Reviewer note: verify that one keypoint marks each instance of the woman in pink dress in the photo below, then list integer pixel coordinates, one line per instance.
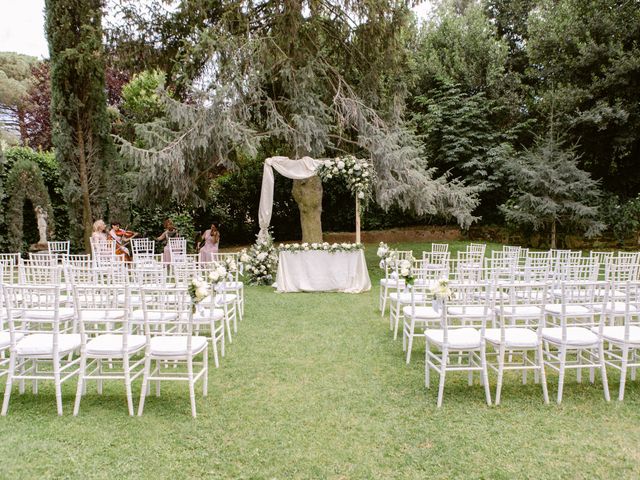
(211, 240)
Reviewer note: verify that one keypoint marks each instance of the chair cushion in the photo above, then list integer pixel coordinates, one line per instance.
(616, 334)
(42, 344)
(406, 297)
(421, 312)
(204, 315)
(154, 316)
(458, 338)
(513, 337)
(576, 336)
(64, 313)
(5, 339)
(111, 344)
(97, 315)
(556, 309)
(521, 310)
(468, 311)
(227, 286)
(392, 282)
(615, 307)
(173, 346)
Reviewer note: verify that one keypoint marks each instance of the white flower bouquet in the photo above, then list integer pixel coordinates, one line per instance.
(357, 173)
(260, 262)
(198, 291)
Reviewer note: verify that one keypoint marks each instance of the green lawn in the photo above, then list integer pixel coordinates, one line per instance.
(313, 386)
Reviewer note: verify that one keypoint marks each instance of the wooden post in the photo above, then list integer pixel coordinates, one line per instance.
(357, 219)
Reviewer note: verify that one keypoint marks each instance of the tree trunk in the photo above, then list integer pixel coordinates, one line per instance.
(87, 220)
(308, 195)
(553, 233)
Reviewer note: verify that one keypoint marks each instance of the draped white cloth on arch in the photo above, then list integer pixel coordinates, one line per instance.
(300, 169)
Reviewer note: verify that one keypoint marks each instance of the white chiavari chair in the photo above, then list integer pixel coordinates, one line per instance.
(216, 317)
(233, 285)
(519, 311)
(623, 340)
(41, 338)
(9, 262)
(439, 248)
(478, 249)
(391, 280)
(177, 249)
(171, 345)
(459, 339)
(567, 332)
(59, 248)
(417, 315)
(106, 337)
(468, 267)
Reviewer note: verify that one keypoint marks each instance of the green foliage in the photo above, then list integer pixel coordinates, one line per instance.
(585, 57)
(549, 189)
(148, 222)
(50, 172)
(81, 128)
(15, 81)
(140, 100)
(24, 182)
(623, 218)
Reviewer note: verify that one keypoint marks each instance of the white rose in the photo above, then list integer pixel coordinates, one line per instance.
(334, 170)
(365, 174)
(325, 246)
(360, 195)
(295, 245)
(328, 163)
(356, 167)
(404, 272)
(329, 176)
(314, 245)
(341, 165)
(202, 292)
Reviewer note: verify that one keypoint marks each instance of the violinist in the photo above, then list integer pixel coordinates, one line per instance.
(122, 237)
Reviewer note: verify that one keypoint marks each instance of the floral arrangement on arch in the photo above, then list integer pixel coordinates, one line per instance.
(357, 173)
(260, 261)
(325, 247)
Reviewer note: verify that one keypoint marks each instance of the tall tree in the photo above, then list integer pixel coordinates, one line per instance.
(549, 190)
(296, 73)
(586, 58)
(15, 81)
(78, 104)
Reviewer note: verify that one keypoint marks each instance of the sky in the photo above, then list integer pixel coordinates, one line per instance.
(22, 26)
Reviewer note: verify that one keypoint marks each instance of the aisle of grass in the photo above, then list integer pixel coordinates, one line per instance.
(313, 386)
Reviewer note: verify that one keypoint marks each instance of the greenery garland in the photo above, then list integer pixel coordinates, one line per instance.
(25, 181)
(323, 247)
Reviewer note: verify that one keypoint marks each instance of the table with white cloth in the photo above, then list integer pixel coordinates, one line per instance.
(320, 271)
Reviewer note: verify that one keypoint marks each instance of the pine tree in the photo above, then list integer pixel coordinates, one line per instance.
(300, 78)
(81, 128)
(550, 190)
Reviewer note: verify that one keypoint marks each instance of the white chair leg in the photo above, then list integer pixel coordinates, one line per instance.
(563, 356)
(205, 376)
(485, 374)
(81, 383)
(501, 351)
(603, 369)
(145, 382)
(427, 376)
(8, 385)
(214, 344)
(127, 384)
(543, 375)
(192, 393)
(410, 343)
(443, 371)
(623, 371)
(58, 386)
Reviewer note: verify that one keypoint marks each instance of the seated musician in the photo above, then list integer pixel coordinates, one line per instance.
(122, 238)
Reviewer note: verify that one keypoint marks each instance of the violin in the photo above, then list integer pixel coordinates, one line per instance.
(125, 237)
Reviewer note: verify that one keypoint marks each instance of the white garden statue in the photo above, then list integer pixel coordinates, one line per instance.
(42, 217)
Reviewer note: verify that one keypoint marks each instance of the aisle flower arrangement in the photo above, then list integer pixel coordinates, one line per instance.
(384, 254)
(356, 172)
(198, 291)
(405, 270)
(260, 262)
(325, 247)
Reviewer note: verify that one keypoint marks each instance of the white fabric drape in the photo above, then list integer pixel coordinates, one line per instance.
(318, 271)
(295, 169)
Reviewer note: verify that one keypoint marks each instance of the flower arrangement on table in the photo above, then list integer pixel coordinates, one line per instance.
(323, 247)
(198, 291)
(260, 261)
(357, 173)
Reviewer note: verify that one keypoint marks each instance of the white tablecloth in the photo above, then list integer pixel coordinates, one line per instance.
(317, 271)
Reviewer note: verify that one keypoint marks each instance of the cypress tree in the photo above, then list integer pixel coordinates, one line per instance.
(80, 124)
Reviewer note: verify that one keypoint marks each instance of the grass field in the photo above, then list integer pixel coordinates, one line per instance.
(313, 386)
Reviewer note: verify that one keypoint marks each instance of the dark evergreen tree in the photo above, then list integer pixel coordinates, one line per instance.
(81, 127)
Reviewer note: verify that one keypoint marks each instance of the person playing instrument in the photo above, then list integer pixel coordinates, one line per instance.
(99, 231)
(170, 231)
(211, 240)
(122, 237)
